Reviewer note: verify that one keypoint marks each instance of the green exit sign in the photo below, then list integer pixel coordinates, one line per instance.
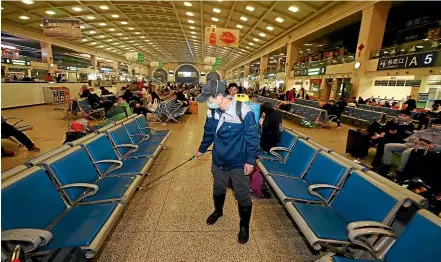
(140, 57)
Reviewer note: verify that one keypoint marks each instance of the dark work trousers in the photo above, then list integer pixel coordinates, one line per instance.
(8, 130)
(241, 184)
(380, 150)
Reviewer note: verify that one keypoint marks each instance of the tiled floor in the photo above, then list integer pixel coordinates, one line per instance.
(166, 220)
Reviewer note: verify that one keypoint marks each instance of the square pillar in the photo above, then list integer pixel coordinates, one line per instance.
(292, 56)
(370, 38)
(47, 57)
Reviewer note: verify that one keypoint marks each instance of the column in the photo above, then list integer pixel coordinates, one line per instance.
(263, 66)
(246, 72)
(370, 38)
(94, 63)
(115, 66)
(292, 55)
(47, 57)
(334, 89)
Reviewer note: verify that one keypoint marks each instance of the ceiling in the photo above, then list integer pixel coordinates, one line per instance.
(168, 31)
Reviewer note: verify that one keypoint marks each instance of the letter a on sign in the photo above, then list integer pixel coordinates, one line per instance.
(413, 61)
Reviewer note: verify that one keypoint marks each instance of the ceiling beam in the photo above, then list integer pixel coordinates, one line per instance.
(146, 34)
(254, 27)
(182, 28)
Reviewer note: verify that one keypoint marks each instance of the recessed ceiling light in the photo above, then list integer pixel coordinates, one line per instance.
(213, 25)
(114, 51)
(131, 28)
(147, 40)
(84, 40)
(270, 28)
(142, 36)
(150, 43)
(111, 29)
(193, 36)
(41, 24)
(279, 19)
(215, 19)
(239, 26)
(137, 33)
(109, 40)
(24, 17)
(90, 17)
(122, 46)
(248, 46)
(50, 12)
(262, 34)
(101, 36)
(119, 34)
(104, 7)
(251, 44)
(293, 8)
(101, 46)
(115, 16)
(102, 24)
(131, 41)
(216, 10)
(93, 43)
(243, 18)
(255, 39)
(78, 9)
(125, 38)
(250, 8)
(191, 21)
(92, 32)
(123, 22)
(28, 2)
(82, 27)
(192, 27)
(193, 33)
(187, 4)
(108, 48)
(189, 14)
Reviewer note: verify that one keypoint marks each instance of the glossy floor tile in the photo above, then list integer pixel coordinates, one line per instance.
(165, 221)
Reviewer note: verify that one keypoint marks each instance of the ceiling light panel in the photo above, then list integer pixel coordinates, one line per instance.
(115, 16)
(216, 10)
(279, 19)
(250, 8)
(293, 8)
(187, 4)
(243, 18)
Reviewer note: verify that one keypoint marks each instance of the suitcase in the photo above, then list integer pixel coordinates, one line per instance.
(357, 143)
(193, 107)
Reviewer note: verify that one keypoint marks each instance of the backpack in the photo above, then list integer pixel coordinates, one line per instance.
(238, 111)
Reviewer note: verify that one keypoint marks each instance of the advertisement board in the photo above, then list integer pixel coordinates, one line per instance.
(62, 28)
(215, 36)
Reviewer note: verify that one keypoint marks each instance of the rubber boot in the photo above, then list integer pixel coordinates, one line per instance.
(245, 216)
(218, 209)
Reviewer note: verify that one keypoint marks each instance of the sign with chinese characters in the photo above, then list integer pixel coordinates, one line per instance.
(418, 21)
(215, 61)
(401, 82)
(392, 82)
(377, 83)
(157, 64)
(317, 71)
(426, 59)
(140, 57)
(63, 28)
(384, 82)
(215, 36)
(301, 72)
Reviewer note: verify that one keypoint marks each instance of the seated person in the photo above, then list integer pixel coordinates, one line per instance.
(333, 110)
(431, 134)
(126, 94)
(140, 110)
(424, 118)
(8, 131)
(395, 131)
(181, 99)
(271, 123)
(120, 108)
(104, 91)
(361, 100)
(85, 92)
(410, 104)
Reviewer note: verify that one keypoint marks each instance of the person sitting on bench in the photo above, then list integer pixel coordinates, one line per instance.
(395, 131)
(8, 131)
(432, 135)
(333, 110)
(271, 123)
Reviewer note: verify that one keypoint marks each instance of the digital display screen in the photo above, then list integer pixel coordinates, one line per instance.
(187, 74)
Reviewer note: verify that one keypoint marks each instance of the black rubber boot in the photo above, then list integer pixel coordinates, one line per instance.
(218, 209)
(245, 216)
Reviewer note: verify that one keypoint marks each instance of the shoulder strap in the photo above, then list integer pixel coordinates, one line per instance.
(212, 113)
(239, 110)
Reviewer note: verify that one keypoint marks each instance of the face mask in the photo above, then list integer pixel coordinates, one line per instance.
(212, 105)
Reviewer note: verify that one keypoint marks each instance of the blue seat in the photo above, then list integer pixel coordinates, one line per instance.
(295, 166)
(43, 157)
(74, 166)
(326, 171)
(146, 129)
(107, 162)
(359, 199)
(283, 148)
(418, 242)
(30, 201)
(123, 144)
(137, 137)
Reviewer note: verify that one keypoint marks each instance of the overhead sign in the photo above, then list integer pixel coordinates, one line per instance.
(317, 71)
(140, 57)
(62, 28)
(216, 36)
(426, 59)
(216, 61)
(157, 64)
(207, 68)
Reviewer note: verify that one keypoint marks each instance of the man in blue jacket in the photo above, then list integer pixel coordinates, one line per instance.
(232, 127)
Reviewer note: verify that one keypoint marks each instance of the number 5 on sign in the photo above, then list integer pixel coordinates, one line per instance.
(428, 60)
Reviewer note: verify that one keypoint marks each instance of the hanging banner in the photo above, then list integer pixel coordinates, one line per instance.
(216, 36)
(157, 64)
(140, 57)
(62, 28)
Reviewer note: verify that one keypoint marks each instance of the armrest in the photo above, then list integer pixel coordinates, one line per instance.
(118, 163)
(127, 145)
(361, 224)
(86, 185)
(312, 189)
(273, 151)
(357, 237)
(14, 117)
(34, 237)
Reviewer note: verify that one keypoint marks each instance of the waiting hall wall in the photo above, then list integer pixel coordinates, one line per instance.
(367, 88)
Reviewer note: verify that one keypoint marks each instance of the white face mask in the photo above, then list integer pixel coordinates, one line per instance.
(212, 105)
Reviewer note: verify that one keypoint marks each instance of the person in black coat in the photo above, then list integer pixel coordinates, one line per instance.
(395, 131)
(271, 123)
(333, 109)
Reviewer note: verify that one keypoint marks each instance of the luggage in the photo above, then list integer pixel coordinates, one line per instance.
(193, 107)
(258, 187)
(357, 143)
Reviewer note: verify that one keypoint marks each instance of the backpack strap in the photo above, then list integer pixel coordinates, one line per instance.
(213, 112)
(239, 110)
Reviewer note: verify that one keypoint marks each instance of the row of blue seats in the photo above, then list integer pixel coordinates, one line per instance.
(308, 115)
(73, 198)
(332, 198)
